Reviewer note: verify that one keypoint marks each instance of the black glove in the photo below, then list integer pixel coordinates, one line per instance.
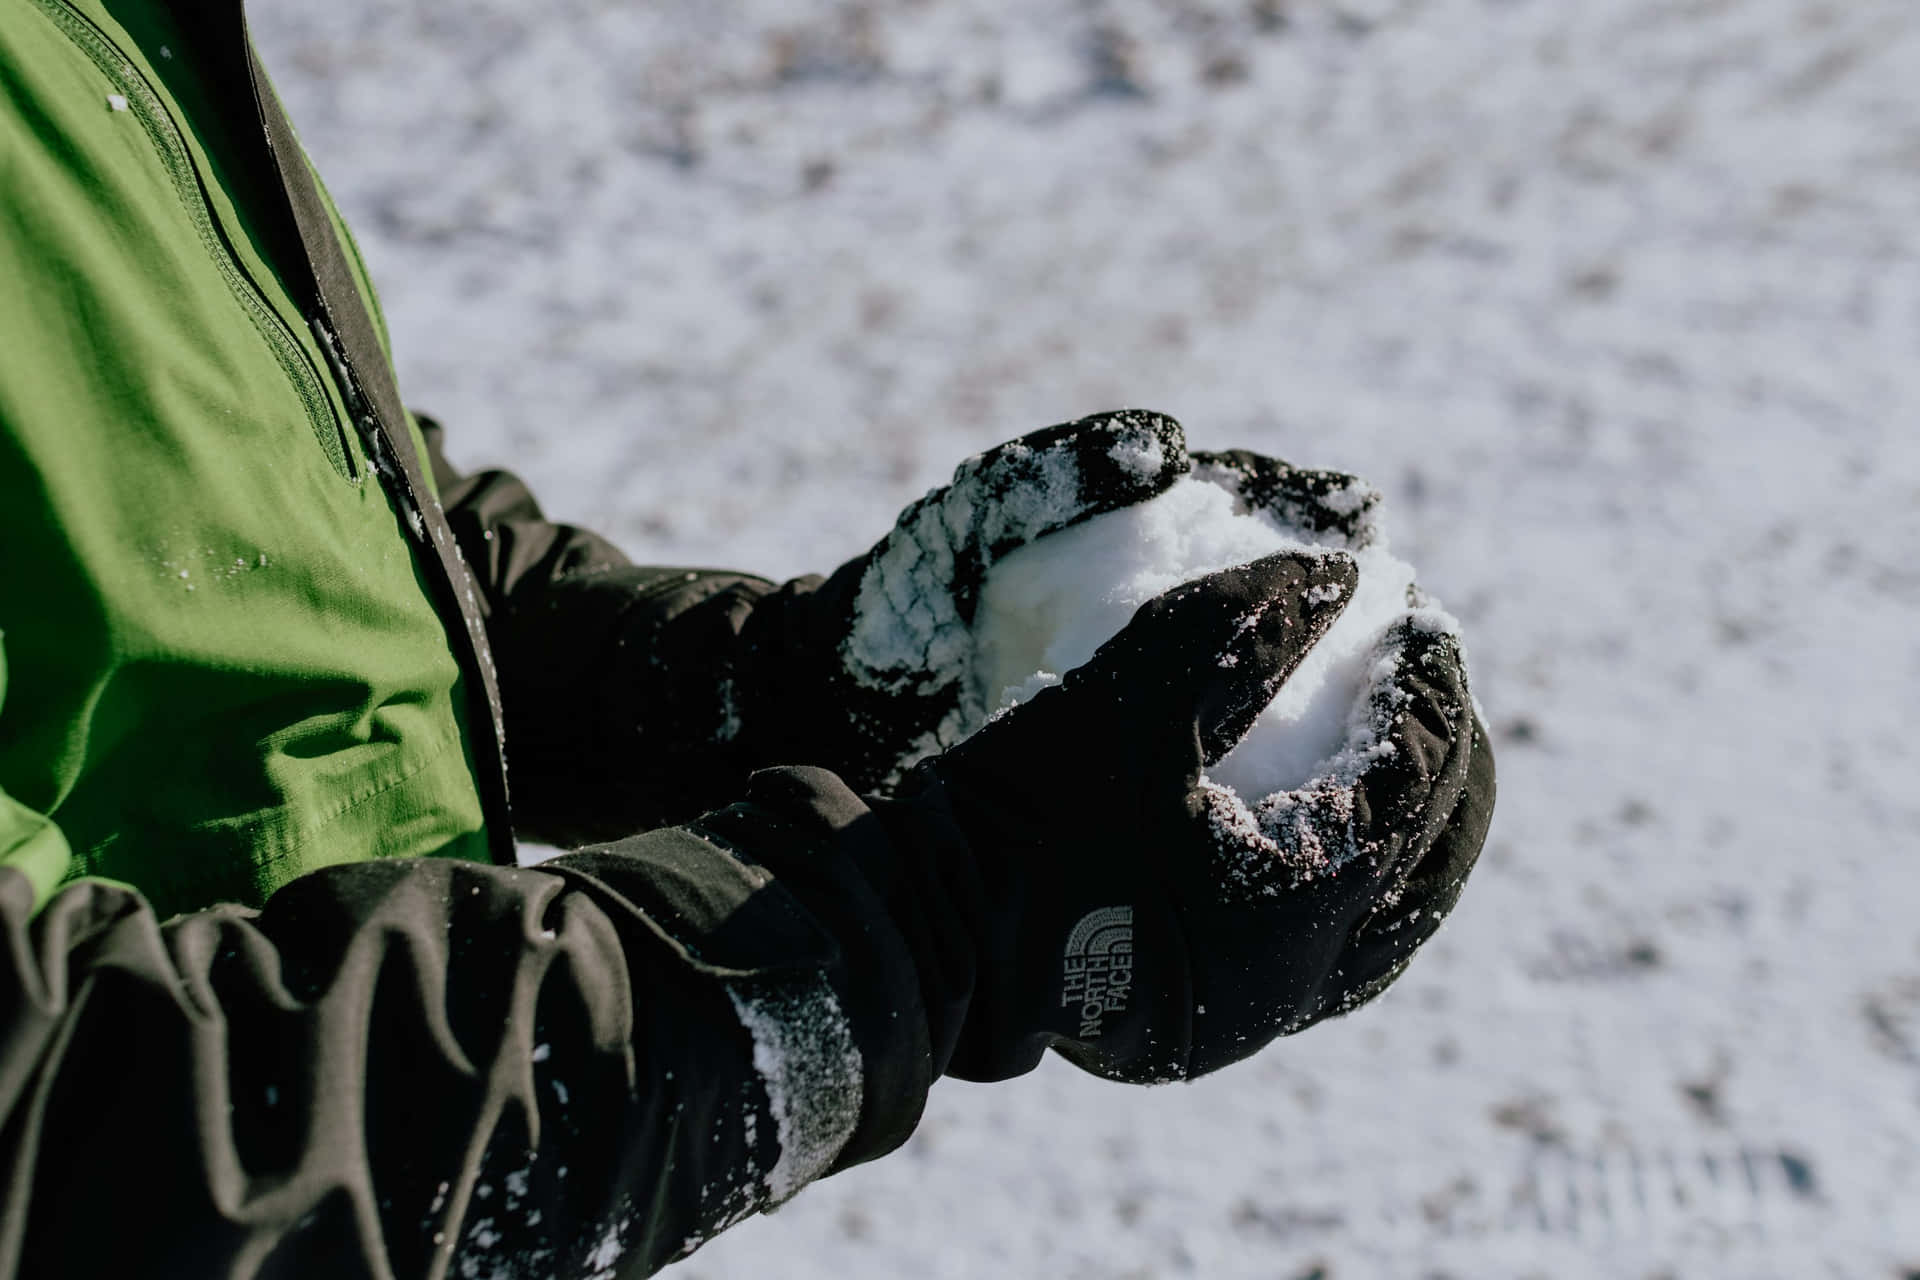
(866, 672)
(1097, 896)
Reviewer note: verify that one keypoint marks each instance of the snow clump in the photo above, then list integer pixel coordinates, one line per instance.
(1046, 607)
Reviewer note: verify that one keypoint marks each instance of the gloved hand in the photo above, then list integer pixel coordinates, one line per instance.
(1147, 923)
(867, 672)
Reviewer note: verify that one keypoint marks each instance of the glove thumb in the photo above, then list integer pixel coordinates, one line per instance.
(1200, 662)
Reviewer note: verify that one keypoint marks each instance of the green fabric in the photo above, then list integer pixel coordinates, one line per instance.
(225, 667)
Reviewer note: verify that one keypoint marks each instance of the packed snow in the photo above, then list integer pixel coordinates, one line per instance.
(1046, 607)
(1618, 303)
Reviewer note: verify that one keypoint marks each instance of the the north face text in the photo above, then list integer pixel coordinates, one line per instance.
(1099, 967)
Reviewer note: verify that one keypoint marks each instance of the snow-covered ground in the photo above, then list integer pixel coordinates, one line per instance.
(1619, 301)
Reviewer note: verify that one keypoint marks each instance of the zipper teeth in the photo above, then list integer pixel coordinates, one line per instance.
(153, 117)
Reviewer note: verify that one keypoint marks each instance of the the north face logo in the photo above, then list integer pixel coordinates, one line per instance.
(1099, 967)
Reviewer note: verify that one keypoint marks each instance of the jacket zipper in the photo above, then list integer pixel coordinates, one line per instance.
(146, 106)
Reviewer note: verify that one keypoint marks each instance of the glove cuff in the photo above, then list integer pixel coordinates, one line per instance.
(822, 844)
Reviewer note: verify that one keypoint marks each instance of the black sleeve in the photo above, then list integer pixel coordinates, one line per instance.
(435, 1068)
(625, 687)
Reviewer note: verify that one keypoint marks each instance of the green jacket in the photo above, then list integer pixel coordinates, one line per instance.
(194, 532)
(259, 646)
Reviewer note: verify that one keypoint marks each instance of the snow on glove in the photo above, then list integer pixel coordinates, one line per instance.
(1326, 502)
(1120, 911)
(866, 672)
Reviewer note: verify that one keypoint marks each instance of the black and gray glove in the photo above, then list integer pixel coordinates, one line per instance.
(866, 672)
(1115, 905)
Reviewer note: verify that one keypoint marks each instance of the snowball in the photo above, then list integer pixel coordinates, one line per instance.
(1046, 607)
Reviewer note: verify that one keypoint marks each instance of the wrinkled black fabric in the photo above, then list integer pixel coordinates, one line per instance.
(433, 1068)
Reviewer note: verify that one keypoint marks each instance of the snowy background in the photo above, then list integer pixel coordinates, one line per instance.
(1618, 301)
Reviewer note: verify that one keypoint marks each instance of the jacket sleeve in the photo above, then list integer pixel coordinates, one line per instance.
(624, 686)
(434, 1068)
